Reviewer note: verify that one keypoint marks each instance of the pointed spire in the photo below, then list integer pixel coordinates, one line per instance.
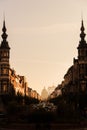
(82, 34)
(4, 43)
(4, 35)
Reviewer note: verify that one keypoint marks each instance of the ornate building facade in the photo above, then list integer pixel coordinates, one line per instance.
(9, 80)
(4, 63)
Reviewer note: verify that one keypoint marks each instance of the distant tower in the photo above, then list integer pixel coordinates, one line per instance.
(44, 94)
(82, 59)
(4, 62)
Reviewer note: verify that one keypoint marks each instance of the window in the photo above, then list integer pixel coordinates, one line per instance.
(5, 88)
(5, 53)
(5, 71)
(83, 87)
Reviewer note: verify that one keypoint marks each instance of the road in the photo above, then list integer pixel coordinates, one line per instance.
(43, 127)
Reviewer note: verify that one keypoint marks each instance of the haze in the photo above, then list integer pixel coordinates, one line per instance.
(43, 36)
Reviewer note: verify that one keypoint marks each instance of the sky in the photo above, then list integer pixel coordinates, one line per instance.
(43, 36)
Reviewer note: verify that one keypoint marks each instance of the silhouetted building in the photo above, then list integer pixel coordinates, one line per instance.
(4, 63)
(75, 80)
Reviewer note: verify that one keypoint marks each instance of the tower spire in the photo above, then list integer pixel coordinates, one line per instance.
(4, 43)
(82, 34)
(4, 62)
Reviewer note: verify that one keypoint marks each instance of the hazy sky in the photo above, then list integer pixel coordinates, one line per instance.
(43, 36)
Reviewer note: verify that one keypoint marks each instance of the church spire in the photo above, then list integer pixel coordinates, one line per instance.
(4, 43)
(82, 34)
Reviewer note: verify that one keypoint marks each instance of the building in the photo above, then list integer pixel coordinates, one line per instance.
(75, 80)
(44, 94)
(18, 83)
(51, 89)
(10, 82)
(4, 63)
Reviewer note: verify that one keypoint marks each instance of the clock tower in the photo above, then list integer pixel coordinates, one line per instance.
(4, 62)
